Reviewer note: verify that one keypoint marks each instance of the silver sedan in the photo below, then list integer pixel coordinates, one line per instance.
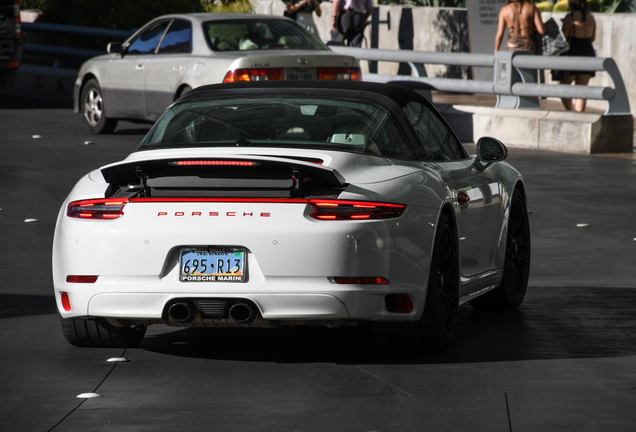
(173, 54)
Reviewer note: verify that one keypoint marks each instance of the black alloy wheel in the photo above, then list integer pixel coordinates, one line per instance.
(434, 330)
(94, 110)
(514, 282)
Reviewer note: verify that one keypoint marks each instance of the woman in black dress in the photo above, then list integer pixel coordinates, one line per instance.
(579, 28)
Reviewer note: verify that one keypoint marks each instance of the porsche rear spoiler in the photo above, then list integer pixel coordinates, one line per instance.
(226, 176)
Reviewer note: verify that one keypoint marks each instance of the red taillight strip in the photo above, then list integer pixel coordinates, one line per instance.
(323, 209)
(232, 200)
(214, 162)
(354, 210)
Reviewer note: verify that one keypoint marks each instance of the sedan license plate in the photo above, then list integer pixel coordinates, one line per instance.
(300, 74)
(214, 264)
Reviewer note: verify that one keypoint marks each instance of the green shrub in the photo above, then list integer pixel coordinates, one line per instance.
(544, 6)
(561, 6)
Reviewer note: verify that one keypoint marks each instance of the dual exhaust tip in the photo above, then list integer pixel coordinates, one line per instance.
(240, 312)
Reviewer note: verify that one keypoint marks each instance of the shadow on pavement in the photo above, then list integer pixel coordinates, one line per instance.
(20, 305)
(13, 101)
(553, 323)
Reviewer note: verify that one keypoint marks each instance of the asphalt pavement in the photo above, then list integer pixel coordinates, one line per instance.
(565, 360)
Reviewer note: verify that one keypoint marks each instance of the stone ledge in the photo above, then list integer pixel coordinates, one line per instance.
(563, 131)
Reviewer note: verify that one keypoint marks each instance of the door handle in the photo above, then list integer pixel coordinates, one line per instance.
(140, 67)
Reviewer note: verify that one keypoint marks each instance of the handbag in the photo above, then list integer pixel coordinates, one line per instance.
(558, 75)
(552, 30)
(553, 42)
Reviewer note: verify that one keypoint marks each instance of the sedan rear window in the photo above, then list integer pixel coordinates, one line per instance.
(342, 125)
(250, 34)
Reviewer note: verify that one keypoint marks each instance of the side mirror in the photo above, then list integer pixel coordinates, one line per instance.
(114, 48)
(491, 150)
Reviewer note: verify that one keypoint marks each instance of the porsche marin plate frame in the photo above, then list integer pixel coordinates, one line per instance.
(213, 264)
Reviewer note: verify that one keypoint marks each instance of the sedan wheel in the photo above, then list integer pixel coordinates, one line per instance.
(100, 333)
(512, 290)
(434, 330)
(93, 109)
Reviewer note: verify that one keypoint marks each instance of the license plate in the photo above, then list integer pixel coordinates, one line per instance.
(300, 74)
(214, 264)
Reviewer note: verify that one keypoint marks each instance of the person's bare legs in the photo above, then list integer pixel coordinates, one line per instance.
(581, 79)
(567, 103)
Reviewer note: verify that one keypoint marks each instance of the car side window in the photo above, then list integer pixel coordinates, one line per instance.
(390, 140)
(146, 43)
(178, 39)
(438, 140)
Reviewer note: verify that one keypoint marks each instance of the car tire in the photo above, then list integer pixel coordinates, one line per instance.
(184, 91)
(514, 282)
(434, 330)
(100, 333)
(94, 109)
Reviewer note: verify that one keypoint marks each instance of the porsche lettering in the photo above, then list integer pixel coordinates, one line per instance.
(213, 213)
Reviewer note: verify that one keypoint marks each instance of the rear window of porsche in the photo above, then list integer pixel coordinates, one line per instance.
(289, 122)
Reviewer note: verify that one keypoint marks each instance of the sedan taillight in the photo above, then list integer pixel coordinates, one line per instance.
(263, 74)
(97, 208)
(340, 73)
(353, 210)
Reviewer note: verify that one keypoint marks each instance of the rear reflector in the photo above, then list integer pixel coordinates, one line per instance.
(398, 303)
(261, 74)
(353, 210)
(340, 73)
(97, 208)
(81, 279)
(361, 280)
(66, 302)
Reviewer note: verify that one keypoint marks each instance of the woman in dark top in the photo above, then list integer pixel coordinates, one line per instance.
(579, 28)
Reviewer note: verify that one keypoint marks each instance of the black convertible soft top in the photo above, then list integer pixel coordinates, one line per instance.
(399, 94)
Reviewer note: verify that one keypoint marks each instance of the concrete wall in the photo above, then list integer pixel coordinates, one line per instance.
(563, 131)
(445, 29)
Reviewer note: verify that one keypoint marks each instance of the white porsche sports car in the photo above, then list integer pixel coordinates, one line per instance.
(173, 54)
(293, 203)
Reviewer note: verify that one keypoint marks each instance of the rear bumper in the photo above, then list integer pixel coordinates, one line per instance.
(295, 298)
(291, 262)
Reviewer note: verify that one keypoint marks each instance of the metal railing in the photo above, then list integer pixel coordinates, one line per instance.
(513, 81)
(58, 52)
